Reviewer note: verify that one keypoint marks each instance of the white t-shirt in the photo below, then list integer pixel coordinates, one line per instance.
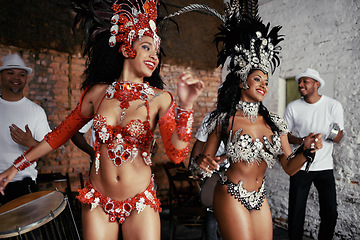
(303, 118)
(202, 135)
(86, 128)
(20, 113)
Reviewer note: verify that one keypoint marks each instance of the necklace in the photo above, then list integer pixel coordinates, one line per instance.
(126, 92)
(249, 109)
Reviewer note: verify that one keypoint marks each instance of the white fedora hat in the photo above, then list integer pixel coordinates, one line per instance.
(14, 61)
(311, 73)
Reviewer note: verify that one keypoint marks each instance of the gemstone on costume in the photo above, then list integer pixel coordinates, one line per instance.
(117, 161)
(125, 155)
(111, 154)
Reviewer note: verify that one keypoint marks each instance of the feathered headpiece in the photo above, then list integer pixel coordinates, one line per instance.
(127, 20)
(247, 42)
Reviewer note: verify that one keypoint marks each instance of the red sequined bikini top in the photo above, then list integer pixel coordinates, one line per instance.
(124, 143)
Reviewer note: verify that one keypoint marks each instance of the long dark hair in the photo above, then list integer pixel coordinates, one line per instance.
(229, 95)
(104, 64)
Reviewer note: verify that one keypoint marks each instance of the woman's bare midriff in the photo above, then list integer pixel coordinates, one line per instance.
(122, 182)
(251, 174)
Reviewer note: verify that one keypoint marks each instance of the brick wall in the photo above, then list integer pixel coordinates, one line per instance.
(324, 35)
(55, 85)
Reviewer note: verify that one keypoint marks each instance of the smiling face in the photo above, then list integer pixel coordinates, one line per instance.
(258, 87)
(146, 59)
(308, 86)
(13, 82)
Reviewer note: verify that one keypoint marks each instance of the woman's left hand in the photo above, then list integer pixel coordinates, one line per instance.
(188, 90)
(6, 177)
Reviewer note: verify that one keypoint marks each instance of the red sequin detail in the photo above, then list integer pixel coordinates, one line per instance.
(167, 126)
(130, 25)
(184, 120)
(68, 127)
(125, 143)
(120, 210)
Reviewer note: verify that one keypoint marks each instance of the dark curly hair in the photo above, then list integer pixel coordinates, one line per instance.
(104, 64)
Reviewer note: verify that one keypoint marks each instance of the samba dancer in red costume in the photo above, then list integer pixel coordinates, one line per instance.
(122, 93)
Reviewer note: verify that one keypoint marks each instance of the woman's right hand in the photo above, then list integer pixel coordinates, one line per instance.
(208, 163)
(6, 177)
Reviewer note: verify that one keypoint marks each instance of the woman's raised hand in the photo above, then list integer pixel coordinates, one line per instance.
(188, 90)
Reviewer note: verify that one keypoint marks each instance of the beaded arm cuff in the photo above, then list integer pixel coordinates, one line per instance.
(21, 163)
(198, 172)
(167, 126)
(68, 127)
(184, 120)
(307, 154)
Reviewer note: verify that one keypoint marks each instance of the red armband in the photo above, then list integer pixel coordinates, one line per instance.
(167, 126)
(21, 163)
(67, 128)
(184, 120)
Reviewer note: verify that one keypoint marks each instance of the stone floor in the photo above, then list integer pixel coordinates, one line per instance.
(195, 232)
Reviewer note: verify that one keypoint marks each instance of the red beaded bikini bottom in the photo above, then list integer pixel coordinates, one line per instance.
(119, 210)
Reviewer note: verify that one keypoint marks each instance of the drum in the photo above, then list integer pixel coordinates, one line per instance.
(207, 190)
(41, 215)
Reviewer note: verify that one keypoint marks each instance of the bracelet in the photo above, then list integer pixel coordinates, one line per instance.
(21, 163)
(184, 120)
(296, 151)
(333, 132)
(198, 172)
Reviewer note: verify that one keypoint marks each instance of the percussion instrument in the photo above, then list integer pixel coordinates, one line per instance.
(207, 190)
(40, 215)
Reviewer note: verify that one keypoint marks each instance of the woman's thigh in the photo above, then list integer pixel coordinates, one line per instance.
(237, 222)
(96, 224)
(262, 222)
(142, 226)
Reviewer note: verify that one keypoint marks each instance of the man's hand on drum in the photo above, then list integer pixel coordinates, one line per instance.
(209, 163)
(6, 177)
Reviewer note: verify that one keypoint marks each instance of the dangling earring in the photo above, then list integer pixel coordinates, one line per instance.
(130, 52)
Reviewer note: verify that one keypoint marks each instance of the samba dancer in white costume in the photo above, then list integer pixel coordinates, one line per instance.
(255, 138)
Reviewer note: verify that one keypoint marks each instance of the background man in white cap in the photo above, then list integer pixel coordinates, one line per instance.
(319, 114)
(23, 124)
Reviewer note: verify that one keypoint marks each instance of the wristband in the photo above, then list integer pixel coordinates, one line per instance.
(198, 172)
(21, 163)
(184, 120)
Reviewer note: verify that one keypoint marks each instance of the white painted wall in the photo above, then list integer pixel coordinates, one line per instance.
(323, 35)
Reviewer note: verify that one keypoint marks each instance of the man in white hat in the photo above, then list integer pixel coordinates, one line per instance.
(23, 124)
(319, 114)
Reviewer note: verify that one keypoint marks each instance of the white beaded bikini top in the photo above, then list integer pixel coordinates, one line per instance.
(244, 148)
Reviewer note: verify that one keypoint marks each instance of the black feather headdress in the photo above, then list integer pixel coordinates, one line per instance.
(247, 43)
